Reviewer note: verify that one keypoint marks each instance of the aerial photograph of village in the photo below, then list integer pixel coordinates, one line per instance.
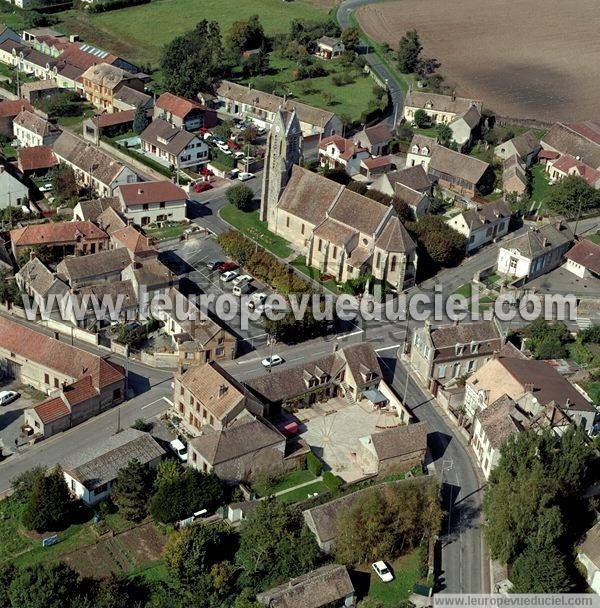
(299, 303)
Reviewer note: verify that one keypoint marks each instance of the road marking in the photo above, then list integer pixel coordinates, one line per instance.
(378, 350)
(360, 331)
(158, 400)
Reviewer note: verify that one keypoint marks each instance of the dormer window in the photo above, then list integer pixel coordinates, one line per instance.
(425, 151)
(459, 349)
(474, 347)
(415, 149)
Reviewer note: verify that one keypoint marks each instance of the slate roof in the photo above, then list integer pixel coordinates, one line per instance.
(132, 97)
(328, 40)
(400, 440)
(40, 279)
(101, 461)
(576, 141)
(456, 164)
(159, 129)
(322, 587)
(537, 241)
(91, 209)
(241, 438)
(465, 333)
(81, 267)
(395, 238)
(441, 103)
(587, 254)
(525, 144)
(488, 213)
(412, 177)
(498, 422)
(38, 125)
(378, 134)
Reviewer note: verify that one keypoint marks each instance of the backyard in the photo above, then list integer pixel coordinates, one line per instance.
(285, 487)
(139, 32)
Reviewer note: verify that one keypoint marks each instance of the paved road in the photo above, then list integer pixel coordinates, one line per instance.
(343, 16)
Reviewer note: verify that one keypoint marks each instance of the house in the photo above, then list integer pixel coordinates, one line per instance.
(13, 192)
(589, 556)
(152, 202)
(92, 209)
(583, 259)
(451, 170)
(514, 176)
(329, 47)
(184, 113)
(9, 110)
(450, 351)
(336, 152)
(541, 383)
(460, 114)
(139, 246)
(101, 82)
(199, 339)
(127, 98)
(104, 266)
(173, 147)
(375, 139)
(39, 91)
(7, 33)
(538, 251)
(31, 130)
(40, 283)
(322, 520)
(569, 165)
(482, 223)
(93, 168)
(205, 395)
(393, 450)
(343, 233)
(579, 140)
(417, 202)
(326, 587)
(352, 373)
(241, 451)
(371, 168)
(525, 146)
(92, 472)
(74, 238)
(80, 384)
(108, 125)
(261, 108)
(149, 277)
(37, 160)
(415, 178)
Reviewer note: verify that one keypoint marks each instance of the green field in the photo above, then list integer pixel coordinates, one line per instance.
(139, 32)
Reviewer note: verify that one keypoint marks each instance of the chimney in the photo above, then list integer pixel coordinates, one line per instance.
(544, 241)
(453, 95)
(558, 225)
(222, 389)
(568, 403)
(528, 386)
(32, 254)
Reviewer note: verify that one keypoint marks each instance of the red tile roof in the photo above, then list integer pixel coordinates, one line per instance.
(132, 240)
(548, 155)
(36, 157)
(177, 106)
(587, 254)
(52, 409)
(376, 162)
(570, 165)
(116, 118)
(587, 129)
(14, 107)
(143, 193)
(54, 233)
(346, 147)
(79, 391)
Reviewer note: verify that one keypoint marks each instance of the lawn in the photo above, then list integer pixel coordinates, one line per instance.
(171, 231)
(595, 238)
(301, 494)
(464, 290)
(593, 390)
(406, 574)
(248, 223)
(349, 100)
(139, 32)
(285, 482)
(314, 273)
(539, 184)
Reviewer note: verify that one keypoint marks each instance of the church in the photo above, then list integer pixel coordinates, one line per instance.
(342, 233)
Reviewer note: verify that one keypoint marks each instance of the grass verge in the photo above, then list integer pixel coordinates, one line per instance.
(314, 273)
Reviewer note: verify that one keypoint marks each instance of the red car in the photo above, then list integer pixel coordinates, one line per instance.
(206, 172)
(202, 186)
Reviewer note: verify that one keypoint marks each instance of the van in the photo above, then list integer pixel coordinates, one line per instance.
(241, 289)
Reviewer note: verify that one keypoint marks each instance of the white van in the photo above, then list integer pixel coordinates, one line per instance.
(241, 289)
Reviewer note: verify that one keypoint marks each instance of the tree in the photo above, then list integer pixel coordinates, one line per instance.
(541, 570)
(421, 118)
(246, 35)
(64, 183)
(547, 340)
(275, 545)
(63, 104)
(193, 61)
(131, 491)
(408, 52)
(572, 195)
(240, 196)
(49, 502)
(9, 290)
(439, 244)
(444, 134)
(45, 585)
(351, 38)
(337, 175)
(140, 119)
(43, 253)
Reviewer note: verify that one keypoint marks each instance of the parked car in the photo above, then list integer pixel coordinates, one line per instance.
(242, 288)
(229, 275)
(232, 174)
(206, 172)
(46, 187)
(225, 266)
(7, 397)
(256, 299)
(383, 572)
(202, 186)
(243, 278)
(213, 264)
(272, 361)
(179, 449)
(238, 155)
(244, 176)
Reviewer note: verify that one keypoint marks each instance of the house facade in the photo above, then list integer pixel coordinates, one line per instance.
(31, 130)
(329, 47)
(184, 113)
(100, 83)
(13, 191)
(583, 259)
(152, 202)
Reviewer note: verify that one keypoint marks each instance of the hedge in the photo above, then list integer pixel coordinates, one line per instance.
(113, 5)
(314, 465)
(333, 482)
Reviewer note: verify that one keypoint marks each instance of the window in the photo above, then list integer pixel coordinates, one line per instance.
(442, 371)
(46, 379)
(117, 394)
(320, 245)
(145, 207)
(334, 253)
(56, 383)
(287, 221)
(378, 262)
(161, 205)
(181, 407)
(181, 390)
(302, 229)
(194, 457)
(471, 365)
(393, 264)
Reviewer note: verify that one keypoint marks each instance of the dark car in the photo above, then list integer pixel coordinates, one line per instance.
(227, 266)
(213, 264)
(202, 186)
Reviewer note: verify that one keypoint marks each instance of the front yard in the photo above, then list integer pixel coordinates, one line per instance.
(172, 230)
(314, 273)
(249, 224)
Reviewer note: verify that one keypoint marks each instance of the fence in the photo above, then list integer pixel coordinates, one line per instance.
(162, 360)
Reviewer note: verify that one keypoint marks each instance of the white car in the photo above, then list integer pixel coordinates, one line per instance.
(243, 278)
(7, 397)
(256, 299)
(383, 572)
(238, 155)
(272, 361)
(46, 188)
(228, 276)
(179, 449)
(244, 176)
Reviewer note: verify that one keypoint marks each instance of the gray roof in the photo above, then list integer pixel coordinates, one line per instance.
(486, 214)
(80, 267)
(499, 421)
(414, 177)
(456, 164)
(441, 103)
(133, 97)
(40, 279)
(400, 440)
(591, 546)
(321, 587)
(101, 462)
(538, 241)
(573, 140)
(159, 129)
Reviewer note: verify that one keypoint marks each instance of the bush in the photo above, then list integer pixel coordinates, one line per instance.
(112, 5)
(314, 464)
(333, 482)
(240, 196)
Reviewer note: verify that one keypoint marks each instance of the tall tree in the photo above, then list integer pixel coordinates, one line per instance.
(49, 503)
(131, 491)
(572, 196)
(351, 38)
(541, 570)
(444, 134)
(140, 119)
(193, 61)
(246, 35)
(45, 586)
(240, 196)
(409, 50)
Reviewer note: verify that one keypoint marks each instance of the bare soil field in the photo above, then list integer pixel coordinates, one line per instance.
(524, 59)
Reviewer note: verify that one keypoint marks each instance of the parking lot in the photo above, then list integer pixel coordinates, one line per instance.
(11, 415)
